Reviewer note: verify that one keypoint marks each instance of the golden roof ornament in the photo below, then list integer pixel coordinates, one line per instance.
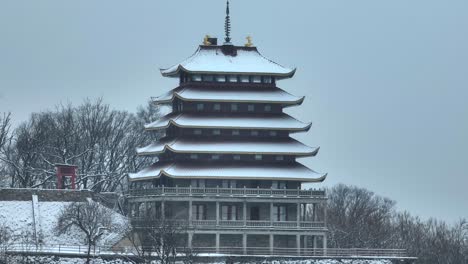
(205, 40)
(249, 41)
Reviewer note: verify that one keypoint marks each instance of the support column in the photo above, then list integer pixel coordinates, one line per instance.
(325, 245)
(190, 212)
(306, 245)
(314, 212)
(298, 244)
(163, 211)
(217, 213)
(244, 213)
(304, 212)
(217, 242)
(244, 243)
(271, 214)
(189, 240)
(325, 213)
(298, 213)
(314, 242)
(272, 244)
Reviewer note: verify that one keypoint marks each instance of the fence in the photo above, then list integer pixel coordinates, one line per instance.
(82, 250)
(216, 191)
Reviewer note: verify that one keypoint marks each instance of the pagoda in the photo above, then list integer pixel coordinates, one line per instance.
(227, 164)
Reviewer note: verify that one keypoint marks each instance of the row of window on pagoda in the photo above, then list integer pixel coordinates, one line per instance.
(181, 106)
(265, 158)
(227, 78)
(214, 183)
(215, 133)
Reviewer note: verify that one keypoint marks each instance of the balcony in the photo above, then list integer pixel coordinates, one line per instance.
(227, 192)
(235, 224)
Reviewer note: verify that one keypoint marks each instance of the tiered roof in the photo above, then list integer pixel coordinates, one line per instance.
(220, 93)
(229, 60)
(235, 121)
(224, 60)
(229, 170)
(287, 146)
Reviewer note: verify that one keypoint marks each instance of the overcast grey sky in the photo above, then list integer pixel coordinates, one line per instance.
(385, 81)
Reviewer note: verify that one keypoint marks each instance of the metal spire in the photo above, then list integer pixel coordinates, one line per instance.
(227, 25)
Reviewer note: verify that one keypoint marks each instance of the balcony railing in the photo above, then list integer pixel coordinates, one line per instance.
(145, 222)
(229, 192)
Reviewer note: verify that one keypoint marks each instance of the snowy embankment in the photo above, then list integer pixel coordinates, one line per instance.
(29, 220)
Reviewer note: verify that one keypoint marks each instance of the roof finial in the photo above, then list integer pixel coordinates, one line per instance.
(227, 25)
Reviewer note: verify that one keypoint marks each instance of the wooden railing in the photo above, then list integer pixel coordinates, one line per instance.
(232, 192)
(82, 250)
(145, 222)
(312, 252)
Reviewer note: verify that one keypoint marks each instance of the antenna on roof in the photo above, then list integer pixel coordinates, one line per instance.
(227, 25)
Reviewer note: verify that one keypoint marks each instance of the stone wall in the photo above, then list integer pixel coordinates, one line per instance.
(52, 195)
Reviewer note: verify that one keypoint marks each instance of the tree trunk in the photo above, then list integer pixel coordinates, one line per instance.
(88, 256)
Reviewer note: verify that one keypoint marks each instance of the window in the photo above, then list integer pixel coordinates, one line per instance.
(228, 183)
(197, 132)
(216, 132)
(272, 133)
(258, 157)
(217, 107)
(267, 79)
(267, 108)
(200, 107)
(232, 78)
(235, 132)
(229, 212)
(254, 133)
(278, 185)
(244, 78)
(196, 78)
(200, 183)
(215, 157)
(198, 212)
(207, 78)
(250, 108)
(221, 78)
(256, 79)
(236, 157)
(234, 107)
(193, 156)
(279, 213)
(279, 158)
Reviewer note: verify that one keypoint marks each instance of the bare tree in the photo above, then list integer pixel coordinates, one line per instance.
(90, 218)
(5, 125)
(99, 140)
(5, 241)
(163, 239)
(359, 218)
(5, 139)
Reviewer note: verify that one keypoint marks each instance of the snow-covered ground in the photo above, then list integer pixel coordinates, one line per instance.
(56, 260)
(19, 217)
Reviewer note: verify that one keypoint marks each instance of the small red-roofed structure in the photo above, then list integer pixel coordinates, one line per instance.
(66, 176)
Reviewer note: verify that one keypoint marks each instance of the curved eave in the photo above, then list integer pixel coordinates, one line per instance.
(174, 123)
(185, 99)
(176, 73)
(169, 148)
(163, 172)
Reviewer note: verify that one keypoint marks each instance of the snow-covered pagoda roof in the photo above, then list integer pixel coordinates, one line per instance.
(234, 146)
(240, 170)
(208, 120)
(230, 94)
(228, 60)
